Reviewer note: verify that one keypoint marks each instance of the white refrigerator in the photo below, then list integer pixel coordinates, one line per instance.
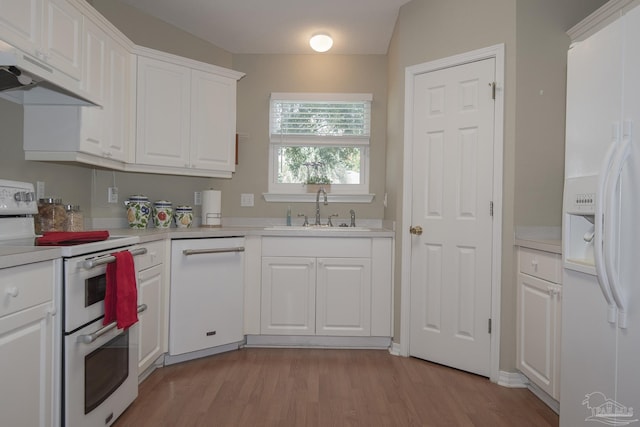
(600, 347)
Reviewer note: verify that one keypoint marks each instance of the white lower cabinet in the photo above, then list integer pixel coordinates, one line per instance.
(343, 296)
(28, 343)
(325, 286)
(539, 305)
(151, 292)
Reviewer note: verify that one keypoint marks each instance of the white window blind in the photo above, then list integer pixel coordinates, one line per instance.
(320, 118)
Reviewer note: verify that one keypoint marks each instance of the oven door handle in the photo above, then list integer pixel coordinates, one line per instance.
(94, 262)
(88, 339)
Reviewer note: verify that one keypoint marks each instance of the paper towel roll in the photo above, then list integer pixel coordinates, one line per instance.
(211, 208)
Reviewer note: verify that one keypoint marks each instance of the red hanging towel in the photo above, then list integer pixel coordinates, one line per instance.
(121, 296)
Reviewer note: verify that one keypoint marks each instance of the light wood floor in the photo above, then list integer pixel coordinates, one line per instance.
(315, 387)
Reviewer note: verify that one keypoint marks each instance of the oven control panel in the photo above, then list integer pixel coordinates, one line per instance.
(17, 198)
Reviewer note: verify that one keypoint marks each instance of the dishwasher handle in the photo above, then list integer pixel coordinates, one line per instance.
(188, 252)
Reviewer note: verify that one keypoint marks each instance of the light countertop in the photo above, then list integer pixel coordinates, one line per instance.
(547, 239)
(11, 256)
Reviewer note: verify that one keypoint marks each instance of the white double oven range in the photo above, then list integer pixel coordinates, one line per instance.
(98, 364)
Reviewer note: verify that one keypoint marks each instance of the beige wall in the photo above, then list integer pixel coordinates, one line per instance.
(147, 31)
(541, 66)
(466, 25)
(300, 73)
(422, 28)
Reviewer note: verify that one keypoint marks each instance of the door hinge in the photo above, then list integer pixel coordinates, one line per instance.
(493, 90)
(489, 326)
(491, 208)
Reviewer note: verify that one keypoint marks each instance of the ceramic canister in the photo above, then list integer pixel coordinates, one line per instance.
(162, 214)
(184, 216)
(138, 211)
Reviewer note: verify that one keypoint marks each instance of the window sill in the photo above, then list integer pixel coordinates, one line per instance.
(311, 197)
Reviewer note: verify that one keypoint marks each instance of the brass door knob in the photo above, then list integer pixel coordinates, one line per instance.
(417, 230)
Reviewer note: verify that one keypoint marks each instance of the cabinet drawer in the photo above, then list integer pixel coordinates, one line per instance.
(25, 286)
(544, 265)
(155, 255)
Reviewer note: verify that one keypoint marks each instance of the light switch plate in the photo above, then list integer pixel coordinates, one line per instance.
(246, 200)
(112, 197)
(197, 198)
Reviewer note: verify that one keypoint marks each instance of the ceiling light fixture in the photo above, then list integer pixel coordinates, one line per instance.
(321, 42)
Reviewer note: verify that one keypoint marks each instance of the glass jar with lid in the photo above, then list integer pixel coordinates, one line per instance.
(75, 218)
(51, 215)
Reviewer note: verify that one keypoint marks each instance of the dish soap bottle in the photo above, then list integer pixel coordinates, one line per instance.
(289, 216)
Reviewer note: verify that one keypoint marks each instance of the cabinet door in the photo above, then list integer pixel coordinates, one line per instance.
(63, 37)
(119, 95)
(343, 305)
(93, 121)
(163, 113)
(213, 121)
(288, 296)
(537, 318)
(150, 283)
(26, 371)
(21, 23)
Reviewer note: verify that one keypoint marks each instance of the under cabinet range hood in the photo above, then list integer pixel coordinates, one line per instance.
(26, 80)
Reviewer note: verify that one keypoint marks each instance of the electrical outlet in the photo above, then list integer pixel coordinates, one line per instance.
(197, 198)
(40, 190)
(112, 197)
(246, 200)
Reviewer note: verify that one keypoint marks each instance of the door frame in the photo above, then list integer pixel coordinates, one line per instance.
(496, 52)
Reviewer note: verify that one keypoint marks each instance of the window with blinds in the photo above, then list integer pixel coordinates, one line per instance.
(319, 138)
(343, 119)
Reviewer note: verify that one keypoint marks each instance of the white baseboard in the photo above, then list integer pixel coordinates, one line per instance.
(318, 341)
(395, 349)
(512, 380)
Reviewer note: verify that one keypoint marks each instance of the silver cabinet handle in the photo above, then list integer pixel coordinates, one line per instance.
(188, 252)
(94, 262)
(88, 339)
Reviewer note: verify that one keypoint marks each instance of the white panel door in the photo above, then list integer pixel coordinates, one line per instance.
(26, 371)
(537, 311)
(119, 94)
(451, 261)
(213, 121)
(21, 23)
(288, 296)
(150, 284)
(63, 37)
(163, 123)
(343, 297)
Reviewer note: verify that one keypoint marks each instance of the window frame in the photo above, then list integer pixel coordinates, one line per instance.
(338, 192)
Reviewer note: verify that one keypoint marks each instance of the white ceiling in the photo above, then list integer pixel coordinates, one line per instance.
(281, 26)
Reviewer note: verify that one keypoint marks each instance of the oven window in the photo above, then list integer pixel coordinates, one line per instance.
(105, 369)
(95, 288)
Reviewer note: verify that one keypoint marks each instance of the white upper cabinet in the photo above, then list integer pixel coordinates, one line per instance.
(99, 136)
(186, 116)
(49, 30)
(21, 23)
(213, 118)
(62, 47)
(162, 137)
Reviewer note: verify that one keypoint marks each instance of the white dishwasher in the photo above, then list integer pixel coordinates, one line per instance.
(205, 312)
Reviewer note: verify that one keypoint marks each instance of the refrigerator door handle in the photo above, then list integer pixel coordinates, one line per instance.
(599, 219)
(610, 235)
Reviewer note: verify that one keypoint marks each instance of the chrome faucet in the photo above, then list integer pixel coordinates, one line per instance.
(353, 218)
(320, 190)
